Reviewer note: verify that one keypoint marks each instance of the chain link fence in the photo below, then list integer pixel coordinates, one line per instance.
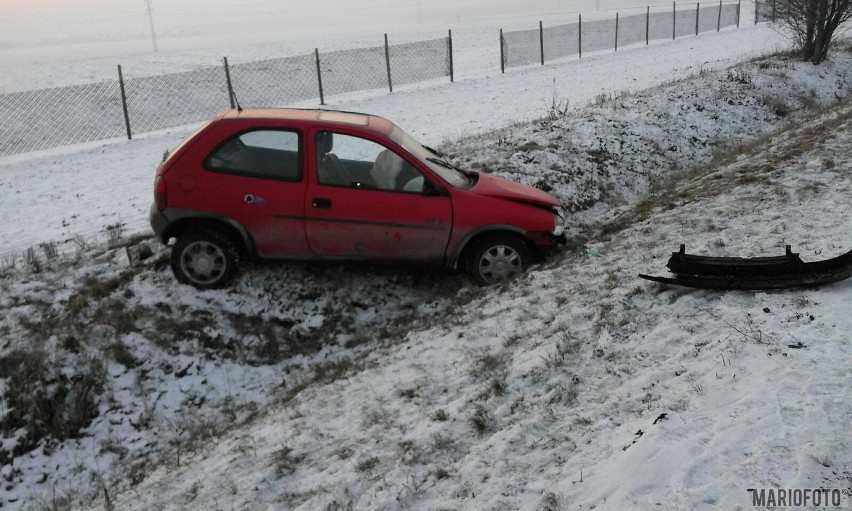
(175, 99)
(260, 83)
(597, 35)
(420, 61)
(562, 40)
(47, 118)
(41, 119)
(632, 29)
(764, 10)
(520, 47)
(523, 47)
(353, 70)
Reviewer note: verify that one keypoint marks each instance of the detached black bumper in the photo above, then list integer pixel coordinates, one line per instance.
(779, 272)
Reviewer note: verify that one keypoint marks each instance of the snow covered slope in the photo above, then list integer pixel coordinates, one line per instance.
(580, 386)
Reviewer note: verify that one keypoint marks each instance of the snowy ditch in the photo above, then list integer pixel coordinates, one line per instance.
(413, 386)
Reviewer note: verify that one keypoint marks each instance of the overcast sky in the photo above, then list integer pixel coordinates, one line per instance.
(28, 14)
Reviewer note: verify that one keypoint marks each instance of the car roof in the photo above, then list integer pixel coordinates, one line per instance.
(374, 122)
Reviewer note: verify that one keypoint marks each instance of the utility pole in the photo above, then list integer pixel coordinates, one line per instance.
(151, 22)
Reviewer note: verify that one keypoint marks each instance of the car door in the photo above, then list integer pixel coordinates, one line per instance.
(367, 200)
(257, 179)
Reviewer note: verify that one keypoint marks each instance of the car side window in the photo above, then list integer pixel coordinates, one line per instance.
(345, 160)
(269, 154)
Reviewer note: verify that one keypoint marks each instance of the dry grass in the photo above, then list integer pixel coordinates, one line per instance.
(707, 180)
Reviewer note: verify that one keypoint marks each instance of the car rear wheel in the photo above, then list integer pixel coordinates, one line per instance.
(497, 258)
(205, 259)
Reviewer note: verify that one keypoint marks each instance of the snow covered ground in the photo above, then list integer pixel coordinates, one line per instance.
(576, 386)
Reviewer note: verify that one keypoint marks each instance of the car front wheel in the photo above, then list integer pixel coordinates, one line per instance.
(497, 258)
(205, 259)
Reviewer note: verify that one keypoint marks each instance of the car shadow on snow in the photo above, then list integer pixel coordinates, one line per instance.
(301, 308)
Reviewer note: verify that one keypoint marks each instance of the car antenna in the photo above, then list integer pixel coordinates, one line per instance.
(236, 101)
(232, 94)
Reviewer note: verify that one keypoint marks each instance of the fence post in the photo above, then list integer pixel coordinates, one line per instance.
(228, 80)
(450, 49)
(774, 6)
(697, 14)
(648, 24)
(580, 36)
(719, 21)
(616, 31)
(756, 10)
(541, 41)
(319, 76)
(502, 54)
(674, 20)
(124, 104)
(387, 61)
(739, 5)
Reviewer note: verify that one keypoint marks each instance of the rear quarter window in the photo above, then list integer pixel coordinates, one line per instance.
(263, 153)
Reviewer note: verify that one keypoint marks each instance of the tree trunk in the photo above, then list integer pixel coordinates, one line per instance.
(812, 24)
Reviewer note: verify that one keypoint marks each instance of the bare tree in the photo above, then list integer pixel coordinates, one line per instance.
(812, 23)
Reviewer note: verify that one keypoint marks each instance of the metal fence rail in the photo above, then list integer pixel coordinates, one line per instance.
(43, 119)
(523, 47)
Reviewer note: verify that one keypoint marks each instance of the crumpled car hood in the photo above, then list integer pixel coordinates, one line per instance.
(494, 186)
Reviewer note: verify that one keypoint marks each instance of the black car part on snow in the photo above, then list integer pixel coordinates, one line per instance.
(753, 273)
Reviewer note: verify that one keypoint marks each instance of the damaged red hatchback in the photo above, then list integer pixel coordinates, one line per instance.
(326, 185)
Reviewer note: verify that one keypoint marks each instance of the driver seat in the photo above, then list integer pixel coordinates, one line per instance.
(331, 170)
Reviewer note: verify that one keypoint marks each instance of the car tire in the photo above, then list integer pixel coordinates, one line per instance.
(497, 258)
(206, 259)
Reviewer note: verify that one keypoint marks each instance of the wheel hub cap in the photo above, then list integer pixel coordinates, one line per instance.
(499, 263)
(203, 262)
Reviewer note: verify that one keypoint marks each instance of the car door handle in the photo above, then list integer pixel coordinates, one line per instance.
(321, 203)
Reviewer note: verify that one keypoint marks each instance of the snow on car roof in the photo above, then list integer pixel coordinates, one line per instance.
(344, 117)
(353, 118)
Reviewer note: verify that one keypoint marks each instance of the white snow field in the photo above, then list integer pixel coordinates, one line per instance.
(576, 386)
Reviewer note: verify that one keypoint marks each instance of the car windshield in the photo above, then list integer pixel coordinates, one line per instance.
(438, 164)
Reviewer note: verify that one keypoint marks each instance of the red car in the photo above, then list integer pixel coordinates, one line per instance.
(326, 185)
